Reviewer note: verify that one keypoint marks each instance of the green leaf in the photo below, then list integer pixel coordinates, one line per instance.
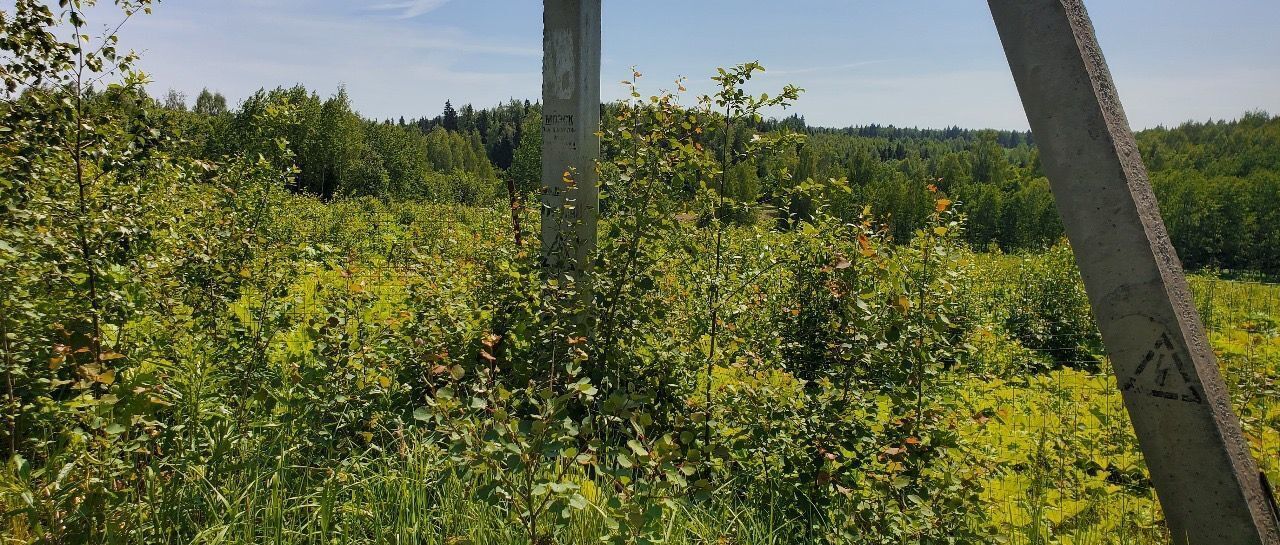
(637, 448)
(22, 466)
(421, 414)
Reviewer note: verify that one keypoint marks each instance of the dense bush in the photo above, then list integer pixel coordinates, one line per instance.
(1043, 307)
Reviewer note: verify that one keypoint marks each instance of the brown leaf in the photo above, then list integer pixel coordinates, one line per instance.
(865, 244)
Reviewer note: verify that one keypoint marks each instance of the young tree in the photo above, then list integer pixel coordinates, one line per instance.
(175, 100)
(211, 104)
(526, 166)
(990, 165)
(440, 151)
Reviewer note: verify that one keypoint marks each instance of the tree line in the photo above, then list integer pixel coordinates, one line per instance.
(336, 152)
(1217, 181)
(1218, 184)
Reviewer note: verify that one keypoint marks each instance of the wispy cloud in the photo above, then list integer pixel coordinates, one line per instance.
(390, 65)
(836, 68)
(411, 8)
(450, 44)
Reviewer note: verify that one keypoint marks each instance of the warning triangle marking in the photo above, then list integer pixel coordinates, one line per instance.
(1163, 373)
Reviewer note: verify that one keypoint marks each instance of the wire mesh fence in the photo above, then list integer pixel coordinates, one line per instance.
(1072, 470)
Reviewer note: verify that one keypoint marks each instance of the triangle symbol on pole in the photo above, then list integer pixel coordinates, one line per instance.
(1163, 373)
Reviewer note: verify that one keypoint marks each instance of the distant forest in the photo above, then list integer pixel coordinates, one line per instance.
(1218, 182)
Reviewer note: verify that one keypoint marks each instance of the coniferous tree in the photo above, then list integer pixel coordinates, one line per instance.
(450, 117)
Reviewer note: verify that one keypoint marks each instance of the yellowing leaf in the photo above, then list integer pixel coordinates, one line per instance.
(903, 304)
(106, 377)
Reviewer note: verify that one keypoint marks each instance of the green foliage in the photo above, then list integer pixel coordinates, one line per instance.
(526, 167)
(210, 104)
(336, 152)
(1044, 308)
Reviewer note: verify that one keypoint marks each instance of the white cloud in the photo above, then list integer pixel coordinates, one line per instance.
(411, 8)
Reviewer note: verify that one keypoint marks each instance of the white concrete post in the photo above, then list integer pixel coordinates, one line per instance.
(570, 121)
(1207, 482)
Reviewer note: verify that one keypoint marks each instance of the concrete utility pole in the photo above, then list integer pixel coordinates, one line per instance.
(1207, 482)
(570, 121)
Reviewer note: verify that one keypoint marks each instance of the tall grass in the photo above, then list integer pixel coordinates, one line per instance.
(412, 493)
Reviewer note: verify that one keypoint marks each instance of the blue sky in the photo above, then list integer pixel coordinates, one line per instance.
(906, 62)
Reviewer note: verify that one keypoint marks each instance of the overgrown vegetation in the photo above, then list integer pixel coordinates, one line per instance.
(262, 337)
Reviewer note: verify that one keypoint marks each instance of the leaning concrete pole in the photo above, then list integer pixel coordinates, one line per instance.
(1208, 485)
(570, 121)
